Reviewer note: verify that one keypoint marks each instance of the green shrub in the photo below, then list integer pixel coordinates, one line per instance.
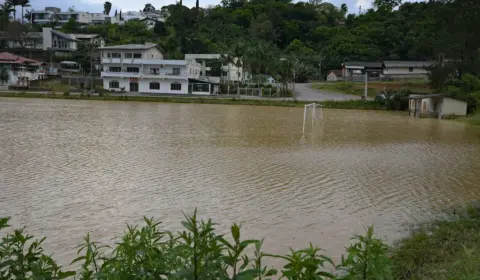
(197, 252)
(66, 93)
(345, 86)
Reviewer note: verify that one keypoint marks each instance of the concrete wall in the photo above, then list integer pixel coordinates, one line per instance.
(404, 73)
(332, 77)
(153, 53)
(144, 85)
(453, 107)
(426, 106)
(47, 38)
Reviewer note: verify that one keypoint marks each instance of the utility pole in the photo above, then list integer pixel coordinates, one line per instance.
(294, 76)
(366, 84)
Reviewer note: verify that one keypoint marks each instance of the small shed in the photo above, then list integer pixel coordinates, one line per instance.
(335, 75)
(436, 106)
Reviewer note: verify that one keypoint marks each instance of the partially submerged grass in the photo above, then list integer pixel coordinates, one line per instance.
(374, 88)
(349, 104)
(444, 249)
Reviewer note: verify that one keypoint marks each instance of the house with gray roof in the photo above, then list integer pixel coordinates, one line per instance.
(356, 70)
(400, 70)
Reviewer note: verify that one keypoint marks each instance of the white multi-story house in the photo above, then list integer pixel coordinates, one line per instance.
(55, 15)
(142, 68)
(44, 16)
(228, 71)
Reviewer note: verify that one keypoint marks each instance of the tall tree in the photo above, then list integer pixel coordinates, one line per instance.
(28, 16)
(14, 4)
(197, 5)
(149, 8)
(107, 6)
(23, 4)
(7, 8)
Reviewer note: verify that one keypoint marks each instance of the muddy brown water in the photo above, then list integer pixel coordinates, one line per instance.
(68, 167)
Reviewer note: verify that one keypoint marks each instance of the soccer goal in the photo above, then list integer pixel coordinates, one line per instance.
(314, 110)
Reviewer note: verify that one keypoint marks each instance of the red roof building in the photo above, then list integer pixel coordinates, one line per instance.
(8, 58)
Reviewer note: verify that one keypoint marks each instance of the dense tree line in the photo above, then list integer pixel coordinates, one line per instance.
(314, 34)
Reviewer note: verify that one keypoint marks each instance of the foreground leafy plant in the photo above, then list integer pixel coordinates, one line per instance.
(197, 253)
(22, 258)
(367, 259)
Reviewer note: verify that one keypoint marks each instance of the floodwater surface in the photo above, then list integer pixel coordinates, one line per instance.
(69, 167)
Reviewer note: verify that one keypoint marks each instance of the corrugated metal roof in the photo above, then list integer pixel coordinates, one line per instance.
(416, 64)
(367, 64)
(85, 36)
(8, 58)
(422, 96)
(145, 46)
(63, 35)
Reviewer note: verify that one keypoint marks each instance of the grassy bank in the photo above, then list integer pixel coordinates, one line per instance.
(473, 119)
(351, 104)
(448, 249)
(374, 88)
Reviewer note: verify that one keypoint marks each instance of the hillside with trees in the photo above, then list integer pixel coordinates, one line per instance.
(311, 35)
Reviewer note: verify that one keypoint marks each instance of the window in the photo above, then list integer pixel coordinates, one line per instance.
(116, 55)
(154, 71)
(109, 55)
(176, 86)
(410, 69)
(176, 71)
(224, 73)
(115, 69)
(55, 43)
(132, 69)
(114, 84)
(155, 85)
(128, 55)
(137, 55)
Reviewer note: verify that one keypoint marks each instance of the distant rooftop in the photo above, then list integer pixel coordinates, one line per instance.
(85, 36)
(63, 35)
(367, 64)
(145, 46)
(417, 64)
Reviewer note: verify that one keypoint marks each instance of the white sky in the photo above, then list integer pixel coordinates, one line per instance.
(129, 5)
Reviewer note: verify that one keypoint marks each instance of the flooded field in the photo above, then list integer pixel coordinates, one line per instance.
(68, 167)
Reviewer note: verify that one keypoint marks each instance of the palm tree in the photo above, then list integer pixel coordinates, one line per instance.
(15, 3)
(28, 16)
(227, 59)
(24, 3)
(107, 6)
(7, 8)
(238, 52)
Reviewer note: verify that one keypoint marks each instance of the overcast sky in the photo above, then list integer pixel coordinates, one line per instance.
(129, 5)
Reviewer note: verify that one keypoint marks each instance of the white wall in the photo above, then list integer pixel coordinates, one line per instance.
(47, 38)
(453, 107)
(426, 105)
(153, 53)
(332, 77)
(144, 85)
(404, 71)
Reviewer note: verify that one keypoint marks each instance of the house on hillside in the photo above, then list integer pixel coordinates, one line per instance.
(149, 22)
(356, 70)
(399, 70)
(142, 68)
(335, 75)
(436, 106)
(229, 72)
(21, 70)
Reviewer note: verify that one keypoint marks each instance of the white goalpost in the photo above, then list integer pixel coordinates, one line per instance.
(312, 108)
